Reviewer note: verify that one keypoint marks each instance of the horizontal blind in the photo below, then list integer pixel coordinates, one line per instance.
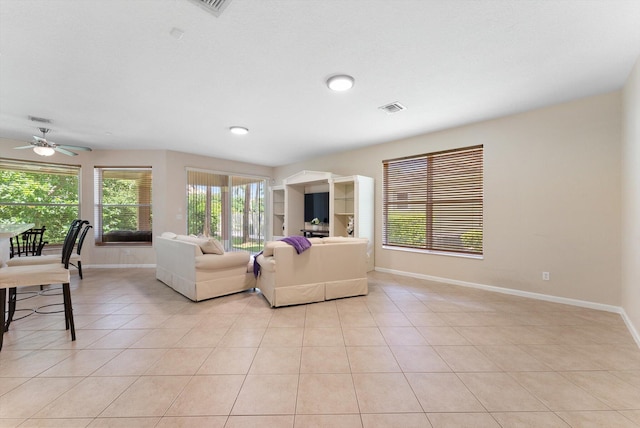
(435, 201)
(123, 204)
(46, 194)
(39, 167)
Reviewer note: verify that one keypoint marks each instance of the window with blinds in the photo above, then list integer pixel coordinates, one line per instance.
(227, 207)
(434, 201)
(45, 194)
(123, 209)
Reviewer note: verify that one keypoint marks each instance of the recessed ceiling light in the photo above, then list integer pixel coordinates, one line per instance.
(239, 130)
(340, 82)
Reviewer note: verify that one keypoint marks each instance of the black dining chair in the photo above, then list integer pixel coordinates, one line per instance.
(49, 258)
(14, 277)
(76, 259)
(28, 243)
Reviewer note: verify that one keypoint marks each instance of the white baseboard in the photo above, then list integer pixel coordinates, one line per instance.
(631, 327)
(528, 294)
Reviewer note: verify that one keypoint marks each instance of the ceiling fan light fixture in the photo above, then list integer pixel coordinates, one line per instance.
(239, 130)
(340, 82)
(44, 151)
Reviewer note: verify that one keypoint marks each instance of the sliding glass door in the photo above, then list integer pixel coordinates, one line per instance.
(230, 208)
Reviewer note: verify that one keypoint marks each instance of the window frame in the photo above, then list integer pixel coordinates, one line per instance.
(55, 232)
(226, 224)
(144, 239)
(446, 204)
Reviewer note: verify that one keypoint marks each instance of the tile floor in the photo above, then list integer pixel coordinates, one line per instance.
(412, 353)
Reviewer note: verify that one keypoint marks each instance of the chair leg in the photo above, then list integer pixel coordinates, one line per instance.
(80, 268)
(68, 309)
(13, 298)
(3, 298)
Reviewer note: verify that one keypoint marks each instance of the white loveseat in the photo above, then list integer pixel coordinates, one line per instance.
(183, 266)
(332, 268)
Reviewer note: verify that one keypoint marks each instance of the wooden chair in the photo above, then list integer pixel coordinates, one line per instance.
(14, 277)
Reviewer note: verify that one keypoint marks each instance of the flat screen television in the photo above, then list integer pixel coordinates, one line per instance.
(316, 205)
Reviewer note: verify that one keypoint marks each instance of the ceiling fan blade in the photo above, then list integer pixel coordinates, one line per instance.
(40, 140)
(30, 146)
(64, 151)
(82, 149)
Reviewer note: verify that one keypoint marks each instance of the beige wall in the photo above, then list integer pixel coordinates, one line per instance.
(552, 200)
(631, 199)
(169, 194)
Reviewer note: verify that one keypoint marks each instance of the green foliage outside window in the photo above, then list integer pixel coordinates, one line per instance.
(119, 204)
(228, 208)
(197, 209)
(472, 240)
(411, 231)
(45, 199)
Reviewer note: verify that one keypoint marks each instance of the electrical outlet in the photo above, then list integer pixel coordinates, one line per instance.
(545, 276)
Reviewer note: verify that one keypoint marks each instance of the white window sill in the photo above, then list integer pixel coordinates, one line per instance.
(437, 253)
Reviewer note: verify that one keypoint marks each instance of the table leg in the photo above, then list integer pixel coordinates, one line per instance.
(13, 294)
(3, 298)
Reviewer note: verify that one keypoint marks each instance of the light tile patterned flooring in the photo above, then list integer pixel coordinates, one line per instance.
(412, 353)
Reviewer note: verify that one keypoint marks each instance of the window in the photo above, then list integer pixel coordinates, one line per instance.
(123, 205)
(434, 201)
(41, 193)
(229, 208)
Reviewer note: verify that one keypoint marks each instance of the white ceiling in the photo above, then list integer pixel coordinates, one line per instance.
(111, 76)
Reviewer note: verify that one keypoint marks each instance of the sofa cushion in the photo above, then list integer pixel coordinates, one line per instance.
(226, 260)
(207, 245)
(342, 239)
(127, 236)
(169, 235)
(212, 246)
(270, 245)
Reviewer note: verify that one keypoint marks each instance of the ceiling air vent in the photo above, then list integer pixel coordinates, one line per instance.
(215, 7)
(39, 119)
(393, 107)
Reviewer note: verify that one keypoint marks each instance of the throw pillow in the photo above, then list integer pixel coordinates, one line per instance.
(212, 246)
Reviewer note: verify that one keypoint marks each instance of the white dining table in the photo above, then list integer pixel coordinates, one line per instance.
(8, 231)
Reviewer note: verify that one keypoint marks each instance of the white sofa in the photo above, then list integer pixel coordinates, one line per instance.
(332, 268)
(183, 266)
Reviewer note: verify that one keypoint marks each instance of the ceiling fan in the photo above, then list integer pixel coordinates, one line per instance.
(41, 146)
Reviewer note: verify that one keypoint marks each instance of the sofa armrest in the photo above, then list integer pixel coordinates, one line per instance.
(177, 256)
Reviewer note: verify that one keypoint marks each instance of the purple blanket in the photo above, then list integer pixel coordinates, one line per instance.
(300, 243)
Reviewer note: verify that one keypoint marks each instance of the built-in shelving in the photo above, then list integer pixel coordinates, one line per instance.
(278, 211)
(352, 209)
(351, 198)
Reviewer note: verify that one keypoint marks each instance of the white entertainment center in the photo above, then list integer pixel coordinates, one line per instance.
(350, 197)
